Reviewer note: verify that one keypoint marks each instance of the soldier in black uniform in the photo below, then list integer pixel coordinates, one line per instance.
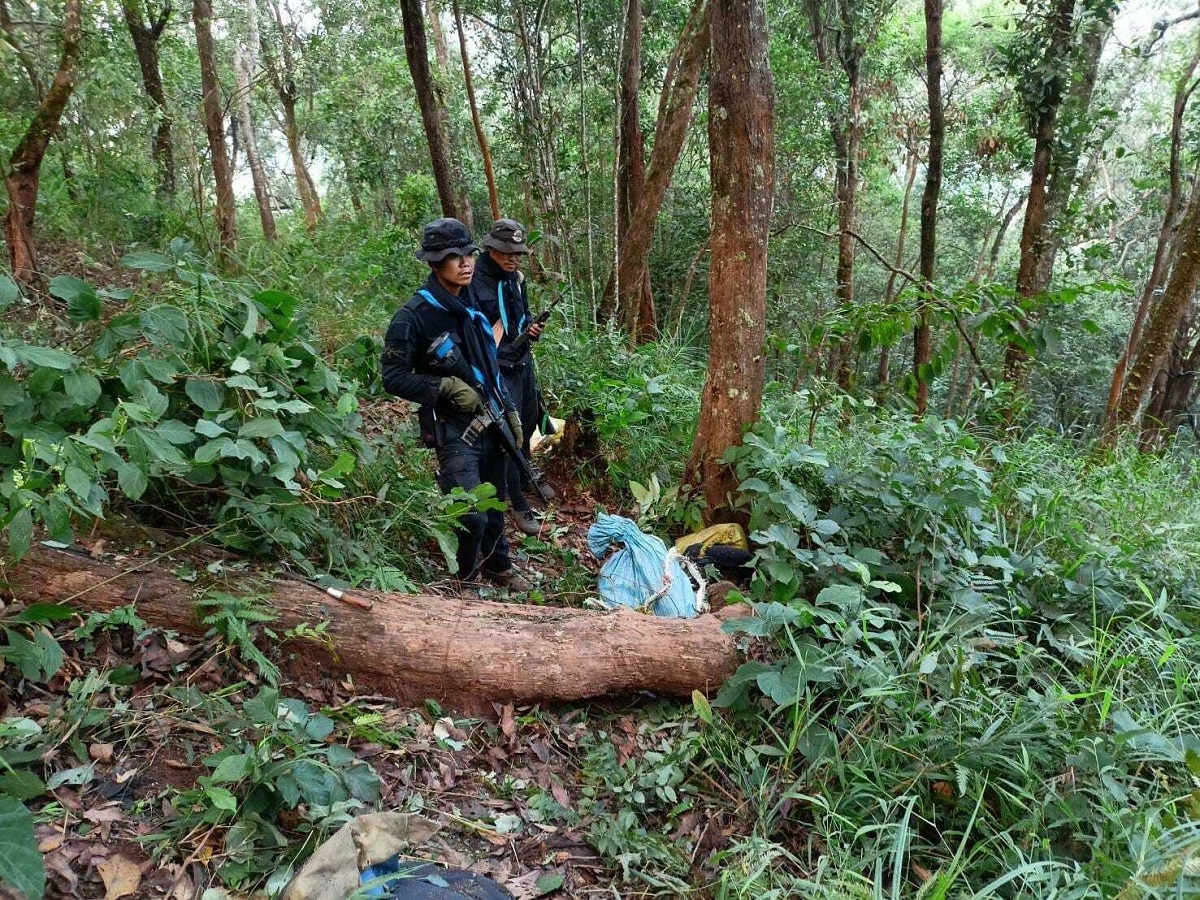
(447, 404)
(498, 289)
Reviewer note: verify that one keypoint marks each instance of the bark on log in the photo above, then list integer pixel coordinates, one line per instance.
(464, 653)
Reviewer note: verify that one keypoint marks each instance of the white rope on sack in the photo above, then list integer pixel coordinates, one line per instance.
(689, 568)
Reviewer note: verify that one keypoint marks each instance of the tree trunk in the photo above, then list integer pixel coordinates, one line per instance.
(883, 373)
(145, 36)
(214, 126)
(283, 79)
(262, 191)
(741, 140)
(1163, 323)
(1064, 169)
(837, 43)
(441, 54)
(441, 50)
(630, 295)
(1036, 240)
(675, 109)
(463, 652)
(989, 271)
(1174, 387)
(309, 199)
(485, 149)
(1184, 88)
(24, 166)
(846, 140)
(923, 335)
(433, 118)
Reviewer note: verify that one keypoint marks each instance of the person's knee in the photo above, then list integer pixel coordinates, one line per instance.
(473, 524)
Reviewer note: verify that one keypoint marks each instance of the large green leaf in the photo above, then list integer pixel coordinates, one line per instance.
(20, 533)
(83, 303)
(20, 862)
(205, 393)
(9, 292)
(82, 387)
(148, 261)
(46, 356)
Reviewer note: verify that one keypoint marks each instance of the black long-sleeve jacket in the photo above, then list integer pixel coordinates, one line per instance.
(407, 369)
(501, 297)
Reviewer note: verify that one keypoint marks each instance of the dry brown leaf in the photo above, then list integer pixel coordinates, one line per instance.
(105, 814)
(121, 876)
(50, 844)
(561, 797)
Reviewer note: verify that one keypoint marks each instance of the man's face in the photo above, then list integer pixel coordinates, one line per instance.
(509, 262)
(456, 270)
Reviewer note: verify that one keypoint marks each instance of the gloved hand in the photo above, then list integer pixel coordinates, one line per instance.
(514, 422)
(459, 396)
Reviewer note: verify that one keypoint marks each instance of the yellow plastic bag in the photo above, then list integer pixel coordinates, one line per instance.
(730, 535)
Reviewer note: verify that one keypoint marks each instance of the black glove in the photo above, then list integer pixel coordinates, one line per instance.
(459, 396)
(514, 422)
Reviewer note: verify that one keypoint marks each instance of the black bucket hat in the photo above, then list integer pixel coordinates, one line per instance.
(445, 237)
(507, 236)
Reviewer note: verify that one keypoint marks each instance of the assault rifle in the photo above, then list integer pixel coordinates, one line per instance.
(521, 341)
(444, 354)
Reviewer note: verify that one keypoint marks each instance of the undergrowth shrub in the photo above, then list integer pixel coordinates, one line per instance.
(972, 673)
(208, 401)
(639, 404)
(976, 686)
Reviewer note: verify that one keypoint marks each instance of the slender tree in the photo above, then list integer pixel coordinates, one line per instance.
(243, 63)
(1163, 323)
(282, 72)
(1061, 90)
(214, 127)
(923, 334)
(1185, 87)
(416, 49)
(676, 107)
(22, 175)
(631, 296)
(911, 160)
(146, 32)
(675, 113)
(485, 148)
(741, 125)
(842, 31)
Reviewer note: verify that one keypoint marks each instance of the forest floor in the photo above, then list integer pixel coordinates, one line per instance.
(132, 752)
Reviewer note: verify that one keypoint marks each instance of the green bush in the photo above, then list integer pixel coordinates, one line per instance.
(210, 401)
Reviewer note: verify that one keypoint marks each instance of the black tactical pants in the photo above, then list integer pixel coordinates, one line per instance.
(482, 546)
(522, 389)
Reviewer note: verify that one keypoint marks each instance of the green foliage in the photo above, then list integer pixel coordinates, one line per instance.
(237, 621)
(277, 759)
(20, 862)
(212, 399)
(637, 405)
(946, 651)
(30, 648)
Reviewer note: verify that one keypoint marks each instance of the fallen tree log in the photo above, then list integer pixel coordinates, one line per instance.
(463, 652)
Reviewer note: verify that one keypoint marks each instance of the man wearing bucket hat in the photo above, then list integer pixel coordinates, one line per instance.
(498, 289)
(448, 405)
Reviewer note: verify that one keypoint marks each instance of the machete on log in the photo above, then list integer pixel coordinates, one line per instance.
(465, 653)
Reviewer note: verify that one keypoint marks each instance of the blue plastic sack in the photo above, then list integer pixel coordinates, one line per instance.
(640, 574)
